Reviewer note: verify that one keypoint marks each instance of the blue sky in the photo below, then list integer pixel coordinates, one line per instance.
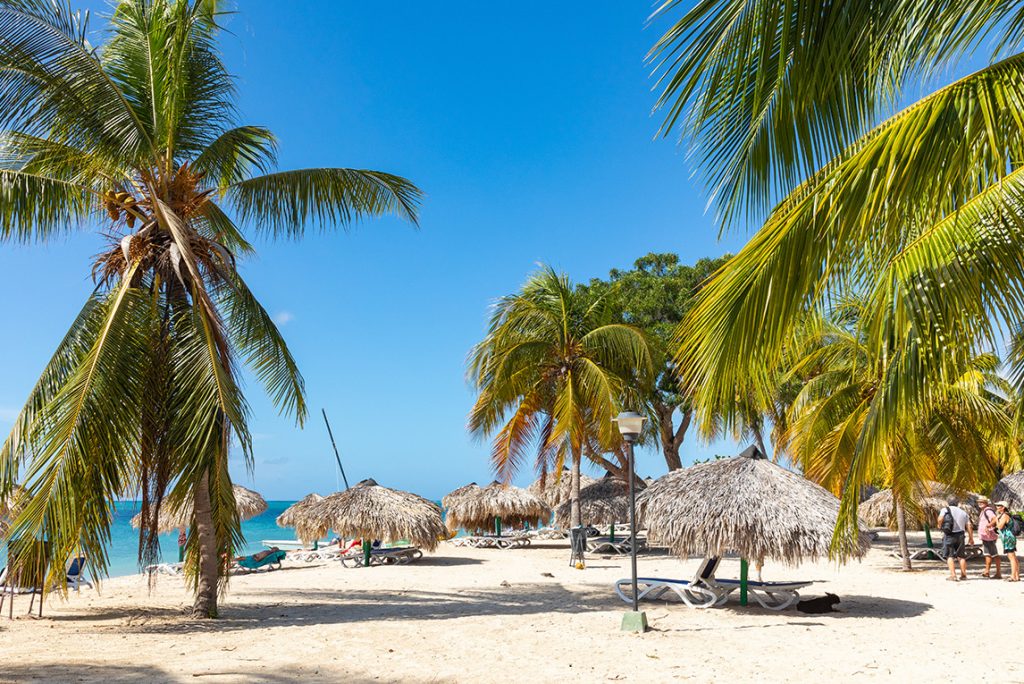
(529, 127)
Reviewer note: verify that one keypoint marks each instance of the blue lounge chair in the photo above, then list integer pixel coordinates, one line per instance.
(76, 574)
(264, 559)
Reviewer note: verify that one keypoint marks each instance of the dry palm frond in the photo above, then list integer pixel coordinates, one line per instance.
(602, 502)
(370, 511)
(248, 503)
(743, 504)
(1011, 490)
(477, 509)
(928, 499)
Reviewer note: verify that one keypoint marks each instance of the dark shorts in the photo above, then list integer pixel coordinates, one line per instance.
(953, 545)
(989, 547)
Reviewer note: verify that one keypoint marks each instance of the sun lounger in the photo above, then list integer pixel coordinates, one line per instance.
(396, 555)
(76, 574)
(492, 542)
(172, 569)
(265, 559)
(698, 592)
(621, 544)
(920, 553)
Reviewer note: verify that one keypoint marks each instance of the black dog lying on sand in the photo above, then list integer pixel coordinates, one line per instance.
(818, 604)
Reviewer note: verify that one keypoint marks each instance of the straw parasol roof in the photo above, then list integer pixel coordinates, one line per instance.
(370, 511)
(249, 505)
(555, 492)
(474, 510)
(1011, 490)
(460, 495)
(929, 498)
(603, 502)
(745, 504)
(295, 512)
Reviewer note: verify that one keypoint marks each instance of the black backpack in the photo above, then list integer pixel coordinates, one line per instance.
(1016, 524)
(947, 522)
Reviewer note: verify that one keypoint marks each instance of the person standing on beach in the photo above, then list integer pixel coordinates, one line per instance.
(1009, 540)
(988, 534)
(955, 524)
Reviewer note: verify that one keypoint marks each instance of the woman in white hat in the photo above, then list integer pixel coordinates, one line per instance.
(1008, 539)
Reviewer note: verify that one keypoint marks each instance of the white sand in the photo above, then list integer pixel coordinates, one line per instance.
(449, 618)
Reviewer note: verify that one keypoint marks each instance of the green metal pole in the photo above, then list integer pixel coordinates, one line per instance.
(743, 581)
(613, 533)
(497, 525)
(366, 552)
(928, 540)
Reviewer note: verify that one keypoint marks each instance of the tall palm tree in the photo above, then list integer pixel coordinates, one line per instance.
(139, 138)
(793, 110)
(956, 441)
(551, 373)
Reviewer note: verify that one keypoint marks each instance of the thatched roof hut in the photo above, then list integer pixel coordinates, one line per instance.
(458, 496)
(603, 502)
(477, 510)
(370, 511)
(249, 505)
(1011, 490)
(745, 504)
(297, 511)
(929, 498)
(557, 487)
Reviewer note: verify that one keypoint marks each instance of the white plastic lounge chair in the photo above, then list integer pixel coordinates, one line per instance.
(697, 593)
(76, 574)
(397, 555)
(620, 546)
(172, 569)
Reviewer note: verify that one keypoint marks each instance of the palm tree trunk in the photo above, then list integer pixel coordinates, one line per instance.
(205, 605)
(901, 532)
(670, 436)
(574, 492)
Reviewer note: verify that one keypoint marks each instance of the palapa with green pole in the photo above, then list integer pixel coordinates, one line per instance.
(746, 505)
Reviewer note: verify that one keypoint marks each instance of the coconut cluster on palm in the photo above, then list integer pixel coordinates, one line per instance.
(482, 508)
(927, 499)
(370, 511)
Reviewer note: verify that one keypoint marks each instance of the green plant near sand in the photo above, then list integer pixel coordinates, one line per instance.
(551, 373)
(138, 138)
(794, 113)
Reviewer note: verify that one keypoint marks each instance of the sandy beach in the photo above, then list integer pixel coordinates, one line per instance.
(482, 615)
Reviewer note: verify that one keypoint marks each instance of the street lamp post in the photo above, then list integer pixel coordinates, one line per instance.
(630, 425)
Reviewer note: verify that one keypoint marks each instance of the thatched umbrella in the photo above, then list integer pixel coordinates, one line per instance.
(459, 496)
(928, 499)
(1011, 490)
(248, 503)
(745, 504)
(369, 511)
(603, 502)
(554, 492)
(496, 503)
(297, 511)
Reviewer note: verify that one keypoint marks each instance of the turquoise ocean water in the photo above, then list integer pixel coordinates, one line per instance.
(123, 550)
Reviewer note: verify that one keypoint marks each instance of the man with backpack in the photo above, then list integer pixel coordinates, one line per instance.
(988, 534)
(955, 524)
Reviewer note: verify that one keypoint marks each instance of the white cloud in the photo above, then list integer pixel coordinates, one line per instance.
(283, 317)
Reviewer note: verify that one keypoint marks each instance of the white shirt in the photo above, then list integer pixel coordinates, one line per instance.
(959, 518)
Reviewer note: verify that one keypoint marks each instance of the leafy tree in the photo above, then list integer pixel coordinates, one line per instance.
(550, 374)
(957, 441)
(654, 296)
(793, 112)
(139, 138)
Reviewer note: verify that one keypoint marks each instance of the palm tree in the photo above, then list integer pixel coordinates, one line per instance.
(956, 441)
(551, 373)
(793, 112)
(139, 138)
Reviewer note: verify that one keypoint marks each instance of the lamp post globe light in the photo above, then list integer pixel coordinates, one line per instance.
(630, 424)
